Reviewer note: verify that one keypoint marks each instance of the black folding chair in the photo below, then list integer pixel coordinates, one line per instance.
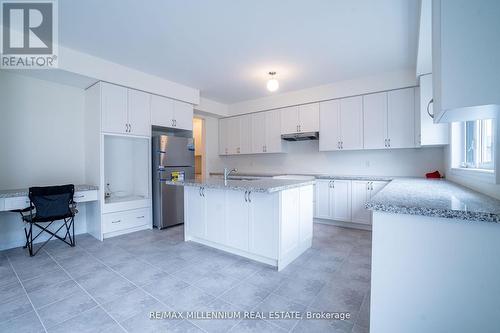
(47, 205)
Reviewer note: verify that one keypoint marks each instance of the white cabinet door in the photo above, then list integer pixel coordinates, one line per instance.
(351, 123)
(139, 112)
(237, 215)
(183, 115)
(309, 117)
(340, 200)
(360, 195)
(263, 227)
(162, 111)
(258, 132)
(194, 205)
(114, 108)
(430, 133)
(233, 135)
(401, 118)
(329, 132)
(246, 134)
(322, 201)
(223, 129)
(375, 121)
(273, 132)
(290, 120)
(215, 207)
(306, 212)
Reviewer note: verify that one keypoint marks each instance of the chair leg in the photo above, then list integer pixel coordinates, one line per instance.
(26, 234)
(30, 244)
(73, 229)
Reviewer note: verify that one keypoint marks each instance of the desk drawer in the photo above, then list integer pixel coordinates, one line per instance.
(84, 196)
(16, 203)
(125, 220)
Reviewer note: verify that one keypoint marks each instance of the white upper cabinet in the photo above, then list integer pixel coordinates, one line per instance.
(329, 129)
(375, 120)
(341, 124)
(233, 135)
(183, 115)
(290, 120)
(300, 119)
(401, 118)
(465, 59)
(258, 132)
(351, 123)
(139, 112)
(125, 111)
(166, 112)
(245, 134)
(223, 129)
(309, 118)
(162, 111)
(114, 108)
(430, 134)
(273, 144)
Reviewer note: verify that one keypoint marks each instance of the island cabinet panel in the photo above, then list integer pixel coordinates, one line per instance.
(215, 214)
(290, 220)
(195, 214)
(237, 216)
(263, 231)
(273, 228)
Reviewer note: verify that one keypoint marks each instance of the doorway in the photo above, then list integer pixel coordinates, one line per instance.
(199, 147)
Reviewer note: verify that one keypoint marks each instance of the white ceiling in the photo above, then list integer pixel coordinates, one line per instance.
(225, 47)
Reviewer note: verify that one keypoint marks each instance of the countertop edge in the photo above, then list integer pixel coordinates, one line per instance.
(248, 187)
(24, 192)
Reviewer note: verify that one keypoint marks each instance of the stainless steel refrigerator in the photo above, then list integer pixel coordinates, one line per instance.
(172, 156)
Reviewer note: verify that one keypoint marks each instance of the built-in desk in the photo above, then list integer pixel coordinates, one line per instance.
(18, 199)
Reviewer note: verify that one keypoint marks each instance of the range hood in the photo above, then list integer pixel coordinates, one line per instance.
(300, 136)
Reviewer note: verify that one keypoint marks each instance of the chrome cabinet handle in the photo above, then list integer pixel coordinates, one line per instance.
(199, 191)
(385, 143)
(139, 217)
(389, 142)
(78, 196)
(333, 183)
(249, 199)
(203, 192)
(428, 111)
(117, 221)
(341, 144)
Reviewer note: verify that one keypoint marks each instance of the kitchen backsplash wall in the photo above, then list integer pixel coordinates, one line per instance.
(304, 157)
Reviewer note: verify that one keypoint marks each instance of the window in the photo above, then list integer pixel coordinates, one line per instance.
(478, 144)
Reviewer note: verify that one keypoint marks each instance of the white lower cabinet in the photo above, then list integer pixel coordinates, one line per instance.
(344, 200)
(114, 223)
(273, 228)
(333, 199)
(197, 215)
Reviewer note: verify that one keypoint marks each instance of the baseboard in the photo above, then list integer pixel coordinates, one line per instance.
(294, 254)
(241, 253)
(352, 225)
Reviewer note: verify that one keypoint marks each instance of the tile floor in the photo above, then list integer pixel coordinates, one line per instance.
(112, 286)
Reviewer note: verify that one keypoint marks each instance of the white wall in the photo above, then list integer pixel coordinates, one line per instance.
(304, 157)
(41, 135)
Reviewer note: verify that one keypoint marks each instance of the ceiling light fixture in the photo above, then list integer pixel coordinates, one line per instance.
(272, 83)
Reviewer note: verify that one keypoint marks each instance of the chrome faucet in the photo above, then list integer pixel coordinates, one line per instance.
(227, 172)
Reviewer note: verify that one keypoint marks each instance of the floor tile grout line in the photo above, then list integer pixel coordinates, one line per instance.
(29, 299)
(92, 297)
(136, 285)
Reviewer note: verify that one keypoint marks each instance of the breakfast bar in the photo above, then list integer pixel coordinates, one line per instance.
(266, 220)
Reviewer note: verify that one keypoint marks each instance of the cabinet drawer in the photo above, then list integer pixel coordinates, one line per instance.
(125, 220)
(84, 196)
(16, 203)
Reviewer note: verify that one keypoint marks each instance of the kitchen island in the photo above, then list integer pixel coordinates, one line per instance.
(266, 220)
(435, 258)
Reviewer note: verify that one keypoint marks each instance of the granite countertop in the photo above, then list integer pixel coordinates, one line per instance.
(436, 198)
(315, 175)
(24, 191)
(263, 185)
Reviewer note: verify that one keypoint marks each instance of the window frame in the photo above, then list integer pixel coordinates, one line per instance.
(477, 143)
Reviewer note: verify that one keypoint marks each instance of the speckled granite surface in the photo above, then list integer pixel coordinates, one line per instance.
(24, 191)
(316, 175)
(263, 185)
(437, 198)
